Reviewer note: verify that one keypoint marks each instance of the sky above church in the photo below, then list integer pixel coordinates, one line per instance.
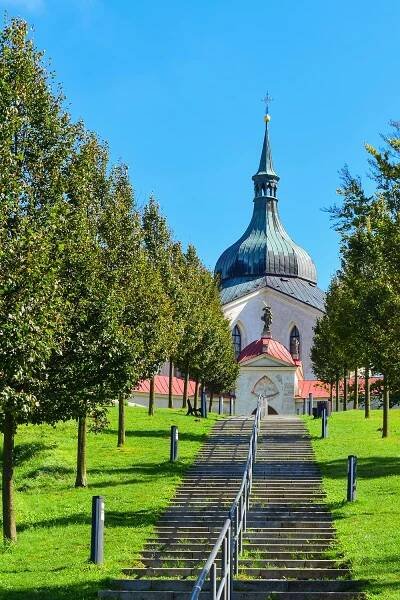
(175, 87)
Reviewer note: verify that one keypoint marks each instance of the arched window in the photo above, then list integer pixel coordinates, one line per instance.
(294, 342)
(237, 340)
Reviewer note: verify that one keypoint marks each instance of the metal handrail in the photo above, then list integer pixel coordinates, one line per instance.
(230, 539)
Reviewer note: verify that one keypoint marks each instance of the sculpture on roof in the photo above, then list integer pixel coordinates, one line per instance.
(267, 320)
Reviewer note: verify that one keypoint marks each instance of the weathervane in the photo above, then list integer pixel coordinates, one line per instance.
(267, 99)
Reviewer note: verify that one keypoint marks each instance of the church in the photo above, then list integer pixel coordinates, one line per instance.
(269, 293)
(265, 277)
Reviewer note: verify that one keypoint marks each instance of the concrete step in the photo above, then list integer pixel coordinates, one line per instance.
(254, 573)
(167, 561)
(273, 595)
(255, 555)
(289, 550)
(240, 585)
(304, 523)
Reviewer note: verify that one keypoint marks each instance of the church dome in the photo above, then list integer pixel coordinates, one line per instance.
(265, 248)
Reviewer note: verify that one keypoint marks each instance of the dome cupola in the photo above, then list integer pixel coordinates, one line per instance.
(265, 248)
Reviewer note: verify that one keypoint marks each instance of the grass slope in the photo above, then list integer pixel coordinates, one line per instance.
(368, 529)
(50, 559)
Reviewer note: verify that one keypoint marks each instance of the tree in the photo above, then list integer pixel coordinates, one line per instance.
(36, 139)
(164, 255)
(369, 228)
(206, 349)
(139, 304)
(325, 359)
(81, 375)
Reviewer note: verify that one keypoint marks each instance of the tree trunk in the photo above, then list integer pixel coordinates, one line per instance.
(385, 428)
(356, 388)
(337, 393)
(331, 396)
(171, 373)
(367, 394)
(196, 394)
(121, 421)
(185, 389)
(151, 397)
(345, 390)
(211, 401)
(81, 476)
(9, 526)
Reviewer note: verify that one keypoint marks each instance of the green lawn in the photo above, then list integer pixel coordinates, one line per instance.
(50, 559)
(368, 529)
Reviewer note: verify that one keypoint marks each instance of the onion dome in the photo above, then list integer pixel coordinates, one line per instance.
(265, 248)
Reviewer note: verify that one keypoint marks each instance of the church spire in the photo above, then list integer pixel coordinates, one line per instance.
(266, 180)
(266, 165)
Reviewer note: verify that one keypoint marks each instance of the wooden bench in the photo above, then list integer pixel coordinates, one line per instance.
(195, 412)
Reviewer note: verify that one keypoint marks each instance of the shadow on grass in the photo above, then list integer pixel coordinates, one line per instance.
(381, 588)
(26, 451)
(81, 591)
(160, 433)
(50, 470)
(160, 470)
(137, 518)
(371, 467)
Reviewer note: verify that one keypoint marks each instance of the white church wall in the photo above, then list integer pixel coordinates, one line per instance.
(276, 383)
(286, 312)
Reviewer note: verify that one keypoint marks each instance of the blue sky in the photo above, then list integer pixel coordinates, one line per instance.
(175, 87)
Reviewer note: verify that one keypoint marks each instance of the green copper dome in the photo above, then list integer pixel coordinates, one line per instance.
(265, 248)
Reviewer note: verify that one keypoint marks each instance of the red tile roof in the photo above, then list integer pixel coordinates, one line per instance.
(311, 386)
(161, 386)
(269, 347)
(361, 383)
(319, 389)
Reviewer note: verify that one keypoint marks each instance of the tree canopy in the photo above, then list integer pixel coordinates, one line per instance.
(95, 295)
(361, 327)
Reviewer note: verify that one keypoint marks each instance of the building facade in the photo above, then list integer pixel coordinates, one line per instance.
(266, 267)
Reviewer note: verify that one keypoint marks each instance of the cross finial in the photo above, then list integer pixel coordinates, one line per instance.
(267, 99)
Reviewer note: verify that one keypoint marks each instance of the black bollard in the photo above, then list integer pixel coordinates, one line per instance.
(97, 537)
(173, 453)
(351, 478)
(324, 423)
(231, 406)
(220, 405)
(203, 404)
(310, 404)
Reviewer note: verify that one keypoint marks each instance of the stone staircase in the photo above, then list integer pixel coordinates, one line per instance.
(289, 547)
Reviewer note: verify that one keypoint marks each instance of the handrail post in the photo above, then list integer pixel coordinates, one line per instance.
(245, 509)
(232, 551)
(213, 581)
(224, 564)
(229, 581)
(236, 569)
(241, 528)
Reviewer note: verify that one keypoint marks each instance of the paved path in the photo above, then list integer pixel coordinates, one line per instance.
(289, 545)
